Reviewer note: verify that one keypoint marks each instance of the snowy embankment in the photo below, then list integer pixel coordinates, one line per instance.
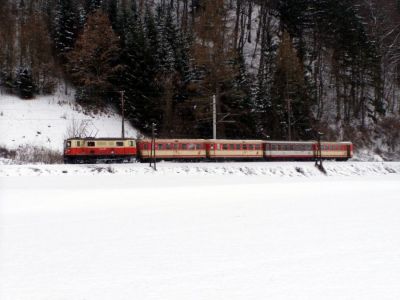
(263, 169)
(46, 121)
(170, 236)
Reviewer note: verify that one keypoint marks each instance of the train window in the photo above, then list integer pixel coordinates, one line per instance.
(131, 143)
(160, 146)
(145, 146)
(225, 147)
(231, 147)
(237, 146)
(68, 144)
(168, 146)
(191, 146)
(198, 146)
(184, 146)
(120, 144)
(176, 147)
(244, 147)
(211, 146)
(78, 143)
(91, 144)
(251, 147)
(258, 147)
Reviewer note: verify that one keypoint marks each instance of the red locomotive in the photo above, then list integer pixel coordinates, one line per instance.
(91, 150)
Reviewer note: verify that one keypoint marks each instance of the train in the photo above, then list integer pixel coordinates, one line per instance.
(120, 150)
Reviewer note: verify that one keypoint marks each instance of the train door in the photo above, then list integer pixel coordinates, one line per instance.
(175, 150)
(210, 149)
(315, 148)
(348, 151)
(267, 150)
(244, 149)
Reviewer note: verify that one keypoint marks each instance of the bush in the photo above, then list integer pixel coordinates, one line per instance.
(31, 154)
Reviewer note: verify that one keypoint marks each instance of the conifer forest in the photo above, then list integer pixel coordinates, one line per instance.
(279, 69)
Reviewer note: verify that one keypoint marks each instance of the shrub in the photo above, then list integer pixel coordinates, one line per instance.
(31, 154)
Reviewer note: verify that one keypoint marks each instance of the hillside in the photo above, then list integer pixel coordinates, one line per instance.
(46, 121)
(278, 69)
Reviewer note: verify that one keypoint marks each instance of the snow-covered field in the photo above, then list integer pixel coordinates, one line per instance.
(45, 121)
(202, 231)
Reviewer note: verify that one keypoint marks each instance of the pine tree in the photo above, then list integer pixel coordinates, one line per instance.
(290, 107)
(65, 27)
(94, 61)
(139, 70)
(214, 59)
(24, 83)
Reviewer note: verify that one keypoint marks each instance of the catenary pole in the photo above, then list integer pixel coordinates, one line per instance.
(123, 114)
(214, 105)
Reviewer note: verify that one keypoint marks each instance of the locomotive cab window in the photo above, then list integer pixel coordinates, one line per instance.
(91, 144)
(68, 144)
(120, 144)
(131, 143)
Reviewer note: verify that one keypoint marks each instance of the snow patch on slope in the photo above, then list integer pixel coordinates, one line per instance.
(44, 121)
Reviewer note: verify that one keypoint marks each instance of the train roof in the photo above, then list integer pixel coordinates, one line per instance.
(234, 141)
(290, 142)
(100, 139)
(174, 140)
(334, 142)
(307, 142)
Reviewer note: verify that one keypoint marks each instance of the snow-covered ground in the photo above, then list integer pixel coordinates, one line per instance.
(44, 121)
(202, 231)
(266, 169)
